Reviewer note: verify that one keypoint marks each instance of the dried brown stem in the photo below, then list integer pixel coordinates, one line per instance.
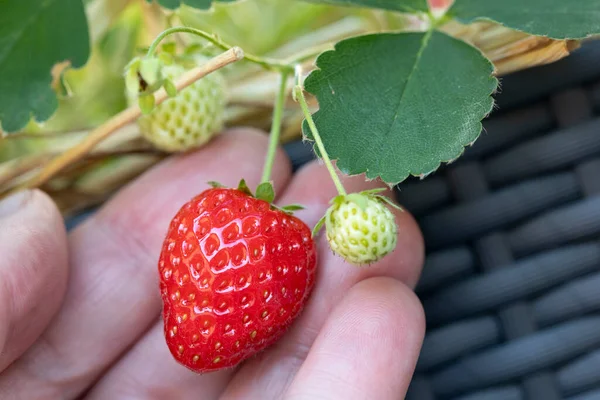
(43, 135)
(125, 117)
(11, 170)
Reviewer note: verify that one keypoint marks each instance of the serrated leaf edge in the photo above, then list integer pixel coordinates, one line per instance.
(368, 172)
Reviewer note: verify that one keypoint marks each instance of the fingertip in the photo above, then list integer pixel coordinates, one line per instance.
(38, 219)
(397, 307)
(368, 347)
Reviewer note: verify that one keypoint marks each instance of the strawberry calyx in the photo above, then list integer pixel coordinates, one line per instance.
(265, 192)
(360, 199)
(144, 75)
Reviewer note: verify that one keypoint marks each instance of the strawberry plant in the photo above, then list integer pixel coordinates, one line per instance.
(94, 92)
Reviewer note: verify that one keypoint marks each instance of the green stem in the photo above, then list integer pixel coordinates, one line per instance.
(263, 62)
(313, 129)
(275, 127)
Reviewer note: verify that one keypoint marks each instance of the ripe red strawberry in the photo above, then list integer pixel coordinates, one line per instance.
(234, 274)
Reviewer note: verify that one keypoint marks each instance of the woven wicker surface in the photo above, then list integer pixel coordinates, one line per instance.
(511, 285)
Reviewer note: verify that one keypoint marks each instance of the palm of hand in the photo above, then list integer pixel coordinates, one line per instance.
(80, 316)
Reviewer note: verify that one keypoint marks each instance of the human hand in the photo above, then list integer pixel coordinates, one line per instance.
(79, 315)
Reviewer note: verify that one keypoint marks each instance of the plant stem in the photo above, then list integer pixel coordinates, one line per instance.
(299, 94)
(129, 115)
(275, 127)
(263, 62)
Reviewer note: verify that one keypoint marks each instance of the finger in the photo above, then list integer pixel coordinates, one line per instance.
(113, 295)
(368, 347)
(33, 270)
(149, 371)
(268, 375)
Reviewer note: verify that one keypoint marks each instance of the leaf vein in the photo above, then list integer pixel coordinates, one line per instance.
(414, 67)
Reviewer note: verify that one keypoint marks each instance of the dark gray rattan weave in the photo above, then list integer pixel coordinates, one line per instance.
(511, 286)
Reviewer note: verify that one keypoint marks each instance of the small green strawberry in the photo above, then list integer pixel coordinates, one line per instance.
(191, 118)
(360, 227)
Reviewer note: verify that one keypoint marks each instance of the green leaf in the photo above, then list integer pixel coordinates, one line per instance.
(200, 4)
(34, 36)
(557, 19)
(265, 192)
(409, 6)
(396, 104)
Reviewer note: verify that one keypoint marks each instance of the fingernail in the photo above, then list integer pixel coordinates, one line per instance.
(13, 203)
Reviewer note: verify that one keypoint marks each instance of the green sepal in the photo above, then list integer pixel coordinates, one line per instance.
(359, 199)
(150, 70)
(215, 184)
(265, 192)
(146, 103)
(132, 79)
(373, 191)
(339, 199)
(289, 209)
(243, 187)
(150, 74)
(385, 199)
(170, 88)
(327, 218)
(319, 225)
(293, 207)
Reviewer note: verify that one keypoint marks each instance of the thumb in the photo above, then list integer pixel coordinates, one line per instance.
(33, 270)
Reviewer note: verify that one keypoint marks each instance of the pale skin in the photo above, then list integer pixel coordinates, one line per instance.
(80, 313)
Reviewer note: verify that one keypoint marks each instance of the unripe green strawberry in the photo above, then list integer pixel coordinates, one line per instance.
(189, 119)
(361, 228)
